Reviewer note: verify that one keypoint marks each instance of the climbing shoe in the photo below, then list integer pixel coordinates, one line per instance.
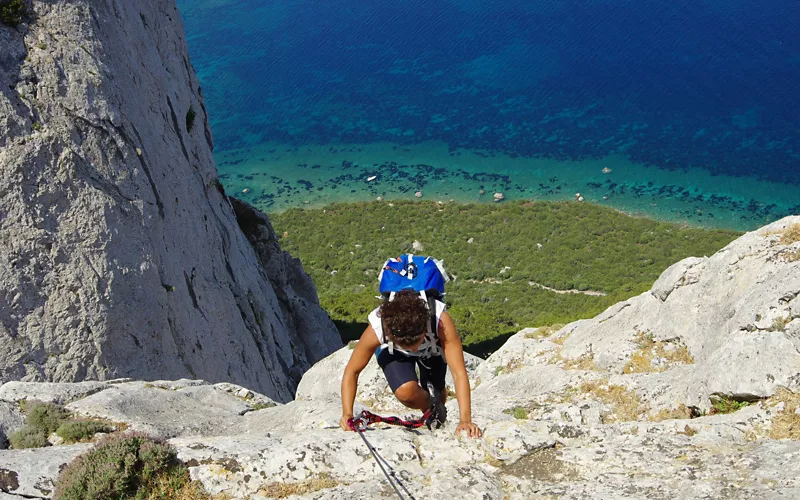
(438, 412)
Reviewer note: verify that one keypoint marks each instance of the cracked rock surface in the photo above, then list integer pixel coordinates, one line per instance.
(121, 254)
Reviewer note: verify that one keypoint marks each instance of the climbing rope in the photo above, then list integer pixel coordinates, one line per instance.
(370, 418)
(359, 424)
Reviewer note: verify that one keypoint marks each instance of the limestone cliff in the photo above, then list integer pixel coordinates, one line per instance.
(121, 256)
(618, 406)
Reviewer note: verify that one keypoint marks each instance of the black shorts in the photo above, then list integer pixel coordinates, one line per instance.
(400, 369)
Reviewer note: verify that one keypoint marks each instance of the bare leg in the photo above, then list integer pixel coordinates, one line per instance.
(413, 396)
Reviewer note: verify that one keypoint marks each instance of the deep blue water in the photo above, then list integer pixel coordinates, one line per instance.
(671, 83)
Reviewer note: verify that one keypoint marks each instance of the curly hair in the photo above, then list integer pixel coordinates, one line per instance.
(405, 317)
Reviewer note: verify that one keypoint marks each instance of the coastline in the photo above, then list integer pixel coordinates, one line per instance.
(275, 177)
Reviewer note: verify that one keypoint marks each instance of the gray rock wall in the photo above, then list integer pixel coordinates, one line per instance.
(121, 256)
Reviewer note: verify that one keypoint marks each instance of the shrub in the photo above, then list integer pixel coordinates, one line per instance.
(45, 417)
(42, 420)
(28, 437)
(11, 11)
(127, 466)
(81, 430)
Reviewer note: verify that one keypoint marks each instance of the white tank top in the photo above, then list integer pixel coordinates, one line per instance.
(429, 347)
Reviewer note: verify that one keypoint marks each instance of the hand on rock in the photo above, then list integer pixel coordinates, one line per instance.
(471, 429)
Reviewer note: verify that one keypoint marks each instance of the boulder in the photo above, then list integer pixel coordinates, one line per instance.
(165, 411)
(33, 473)
(47, 392)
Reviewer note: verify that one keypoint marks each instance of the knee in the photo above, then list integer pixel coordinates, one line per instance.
(408, 393)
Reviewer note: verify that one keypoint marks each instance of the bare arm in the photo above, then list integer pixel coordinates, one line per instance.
(362, 353)
(454, 354)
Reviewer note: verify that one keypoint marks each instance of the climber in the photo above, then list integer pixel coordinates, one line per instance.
(399, 337)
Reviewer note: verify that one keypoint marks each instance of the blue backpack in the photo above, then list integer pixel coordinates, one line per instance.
(425, 275)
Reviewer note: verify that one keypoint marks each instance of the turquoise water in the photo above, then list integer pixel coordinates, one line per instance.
(684, 111)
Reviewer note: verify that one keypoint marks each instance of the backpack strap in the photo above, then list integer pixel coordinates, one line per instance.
(430, 298)
(424, 296)
(390, 344)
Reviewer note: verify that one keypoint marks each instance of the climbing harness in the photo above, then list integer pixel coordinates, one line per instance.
(359, 424)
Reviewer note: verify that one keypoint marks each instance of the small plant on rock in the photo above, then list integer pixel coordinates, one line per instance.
(127, 466)
(725, 404)
(81, 430)
(11, 11)
(786, 424)
(544, 331)
(518, 412)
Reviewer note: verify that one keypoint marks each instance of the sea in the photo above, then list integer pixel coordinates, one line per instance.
(679, 110)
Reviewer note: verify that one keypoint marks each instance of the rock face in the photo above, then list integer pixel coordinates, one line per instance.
(727, 325)
(121, 254)
(560, 419)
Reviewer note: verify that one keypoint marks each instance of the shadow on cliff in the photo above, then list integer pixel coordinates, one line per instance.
(487, 347)
(350, 331)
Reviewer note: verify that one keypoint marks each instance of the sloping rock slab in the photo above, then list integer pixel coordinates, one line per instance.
(190, 411)
(335, 464)
(628, 466)
(49, 392)
(33, 473)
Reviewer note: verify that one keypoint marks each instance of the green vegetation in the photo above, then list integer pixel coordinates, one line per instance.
(11, 11)
(585, 247)
(42, 420)
(46, 417)
(128, 466)
(518, 412)
(37, 126)
(28, 437)
(81, 430)
(725, 404)
(190, 116)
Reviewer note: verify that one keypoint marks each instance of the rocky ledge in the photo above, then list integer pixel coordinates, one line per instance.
(689, 390)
